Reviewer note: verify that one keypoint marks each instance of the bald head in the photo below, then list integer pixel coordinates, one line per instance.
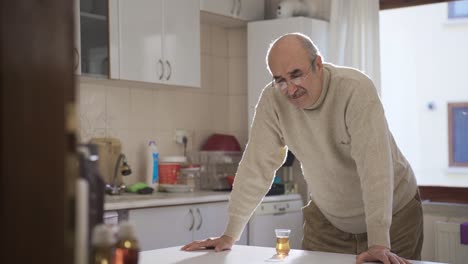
(292, 43)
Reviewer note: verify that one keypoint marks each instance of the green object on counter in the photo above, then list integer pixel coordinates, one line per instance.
(134, 188)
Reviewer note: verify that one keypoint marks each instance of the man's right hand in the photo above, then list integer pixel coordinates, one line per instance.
(218, 244)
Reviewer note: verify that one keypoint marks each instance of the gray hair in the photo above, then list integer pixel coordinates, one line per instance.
(307, 44)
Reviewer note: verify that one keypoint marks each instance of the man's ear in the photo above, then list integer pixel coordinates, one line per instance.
(318, 63)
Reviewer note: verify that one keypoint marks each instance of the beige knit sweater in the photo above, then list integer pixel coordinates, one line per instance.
(355, 172)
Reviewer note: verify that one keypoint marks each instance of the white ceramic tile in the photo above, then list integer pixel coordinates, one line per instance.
(92, 106)
(142, 108)
(238, 113)
(166, 110)
(220, 75)
(86, 134)
(219, 41)
(118, 107)
(205, 39)
(237, 76)
(237, 42)
(206, 112)
(220, 107)
(188, 109)
(206, 73)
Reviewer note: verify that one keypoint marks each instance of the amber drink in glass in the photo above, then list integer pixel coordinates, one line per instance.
(282, 241)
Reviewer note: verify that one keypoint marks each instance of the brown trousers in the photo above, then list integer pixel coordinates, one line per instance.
(406, 232)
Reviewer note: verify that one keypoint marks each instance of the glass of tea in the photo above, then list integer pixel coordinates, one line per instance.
(282, 241)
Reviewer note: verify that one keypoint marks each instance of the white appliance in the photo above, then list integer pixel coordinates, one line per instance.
(282, 211)
(259, 36)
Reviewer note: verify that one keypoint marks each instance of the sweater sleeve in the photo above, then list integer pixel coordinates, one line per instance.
(371, 151)
(264, 154)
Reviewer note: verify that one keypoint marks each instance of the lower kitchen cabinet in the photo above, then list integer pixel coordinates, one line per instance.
(169, 226)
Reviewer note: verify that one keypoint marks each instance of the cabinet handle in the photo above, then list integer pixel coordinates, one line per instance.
(193, 220)
(201, 219)
(162, 69)
(77, 59)
(170, 70)
(233, 9)
(239, 7)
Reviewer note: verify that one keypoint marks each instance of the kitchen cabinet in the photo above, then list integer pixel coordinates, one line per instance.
(160, 227)
(247, 10)
(259, 36)
(159, 41)
(92, 42)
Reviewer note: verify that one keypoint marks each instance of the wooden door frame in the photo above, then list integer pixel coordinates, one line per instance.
(38, 145)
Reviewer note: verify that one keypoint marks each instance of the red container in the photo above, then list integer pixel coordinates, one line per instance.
(168, 173)
(221, 142)
(169, 169)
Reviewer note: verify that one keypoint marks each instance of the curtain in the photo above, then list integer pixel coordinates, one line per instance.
(354, 36)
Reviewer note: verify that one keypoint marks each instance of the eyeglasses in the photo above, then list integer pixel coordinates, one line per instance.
(282, 84)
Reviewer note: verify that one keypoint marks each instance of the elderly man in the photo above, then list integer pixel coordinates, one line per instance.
(365, 199)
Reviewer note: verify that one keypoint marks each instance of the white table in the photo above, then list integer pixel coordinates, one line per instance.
(244, 255)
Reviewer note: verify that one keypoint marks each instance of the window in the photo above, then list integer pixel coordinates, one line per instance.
(458, 134)
(458, 9)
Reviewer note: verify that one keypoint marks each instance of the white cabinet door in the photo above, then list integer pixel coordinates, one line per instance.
(140, 40)
(247, 10)
(162, 227)
(250, 10)
(211, 220)
(181, 42)
(220, 7)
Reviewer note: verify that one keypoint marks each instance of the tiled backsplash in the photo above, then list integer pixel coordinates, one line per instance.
(138, 112)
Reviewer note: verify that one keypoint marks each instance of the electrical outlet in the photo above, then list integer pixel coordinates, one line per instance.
(179, 136)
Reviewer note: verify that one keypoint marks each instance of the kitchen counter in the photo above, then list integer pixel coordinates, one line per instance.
(245, 255)
(131, 201)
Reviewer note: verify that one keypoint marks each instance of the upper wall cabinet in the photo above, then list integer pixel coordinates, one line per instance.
(248, 10)
(92, 19)
(159, 41)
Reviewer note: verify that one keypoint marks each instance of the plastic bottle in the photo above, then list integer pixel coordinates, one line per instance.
(152, 174)
(127, 248)
(103, 245)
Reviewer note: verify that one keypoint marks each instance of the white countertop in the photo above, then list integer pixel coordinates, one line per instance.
(244, 255)
(131, 201)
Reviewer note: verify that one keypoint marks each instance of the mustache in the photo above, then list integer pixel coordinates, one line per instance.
(298, 93)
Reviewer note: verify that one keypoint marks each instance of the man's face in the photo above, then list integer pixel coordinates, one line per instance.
(294, 76)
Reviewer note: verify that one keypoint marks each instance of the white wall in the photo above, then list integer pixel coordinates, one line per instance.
(424, 59)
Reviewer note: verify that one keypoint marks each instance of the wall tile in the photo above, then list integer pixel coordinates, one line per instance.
(220, 107)
(142, 108)
(205, 39)
(206, 112)
(219, 41)
(237, 112)
(91, 111)
(118, 107)
(166, 110)
(237, 42)
(238, 76)
(206, 73)
(220, 75)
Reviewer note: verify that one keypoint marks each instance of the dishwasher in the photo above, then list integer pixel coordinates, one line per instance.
(282, 211)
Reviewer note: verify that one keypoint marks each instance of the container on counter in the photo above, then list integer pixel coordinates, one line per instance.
(152, 167)
(127, 247)
(169, 168)
(190, 175)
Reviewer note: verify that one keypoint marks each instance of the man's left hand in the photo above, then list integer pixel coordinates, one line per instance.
(380, 253)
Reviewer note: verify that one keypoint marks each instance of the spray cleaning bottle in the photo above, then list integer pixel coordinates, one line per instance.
(152, 173)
